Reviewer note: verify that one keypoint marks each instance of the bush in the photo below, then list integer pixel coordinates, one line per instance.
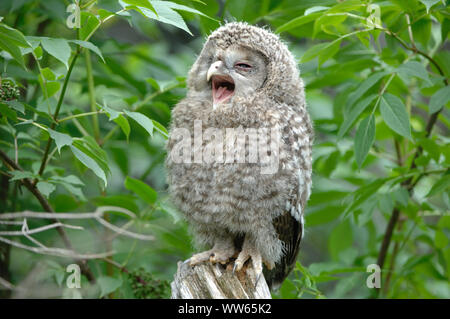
(84, 113)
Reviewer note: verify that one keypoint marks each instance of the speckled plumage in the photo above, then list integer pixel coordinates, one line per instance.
(233, 205)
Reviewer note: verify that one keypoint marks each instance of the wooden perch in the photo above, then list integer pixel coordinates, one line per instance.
(214, 281)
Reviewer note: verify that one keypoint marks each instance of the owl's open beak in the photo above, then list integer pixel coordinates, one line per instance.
(222, 85)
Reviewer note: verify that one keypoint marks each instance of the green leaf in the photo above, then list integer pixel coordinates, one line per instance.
(327, 20)
(324, 51)
(440, 239)
(153, 83)
(440, 186)
(112, 114)
(169, 16)
(50, 87)
(108, 285)
(144, 191)
(429, 3)
(385, 203)
(439, 99)
(76, 191)
(48, 74)
(329, 51)
(414, 68)
(164, 11)
(161, 129)
(431, 147)
(89, 146)
(364, 138)
(124, 125)
(346, 6)
(141, 3)
(142, 120)
(445, 29)
(364, 87)
(89, 163)
(90, 46)
(61, 139)
(323, 216)
(59, 48)
(89, 23)
(11, 40)
(313, 51)
(444, 222)
(103, 14)
(315, 9)
(401, 196)
(297, 22)
(45, 188)
(70, 179)
(125, 201)
(6, 110)
(13, 36)
(18, 175)
(176, 6)
(354, 114)
(394, 114)
(363, 194)
(18, 106)
(340, 239)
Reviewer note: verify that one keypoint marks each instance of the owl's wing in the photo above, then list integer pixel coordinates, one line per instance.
(297, 136)
(290, 232)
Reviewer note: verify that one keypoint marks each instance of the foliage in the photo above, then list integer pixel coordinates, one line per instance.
(88, 130)
(146, 287)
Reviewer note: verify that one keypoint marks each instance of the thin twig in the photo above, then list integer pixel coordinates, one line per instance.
(55, 115)
(38, 229)
(91, 93)
(75, 215)
(5, 283)
(60, 252)
(392, 264)
(97, 215)
(46, 206)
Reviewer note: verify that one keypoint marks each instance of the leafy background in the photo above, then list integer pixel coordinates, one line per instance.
(82, 126)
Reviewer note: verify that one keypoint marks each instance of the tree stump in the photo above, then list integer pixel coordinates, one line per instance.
(215, 281)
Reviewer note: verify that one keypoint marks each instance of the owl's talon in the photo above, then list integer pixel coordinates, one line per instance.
(220, 253)
(221, 256)
(234, 268)
(249, 251)
(200, 257)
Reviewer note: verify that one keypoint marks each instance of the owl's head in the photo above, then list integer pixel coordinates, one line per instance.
(240, 61)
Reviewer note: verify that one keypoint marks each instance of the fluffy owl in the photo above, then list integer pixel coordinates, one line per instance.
(244, 78)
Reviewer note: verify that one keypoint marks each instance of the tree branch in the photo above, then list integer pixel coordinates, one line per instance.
(408, 184)
(208, 281)
(46, 206)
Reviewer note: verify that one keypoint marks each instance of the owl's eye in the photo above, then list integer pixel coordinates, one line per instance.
(243, 66)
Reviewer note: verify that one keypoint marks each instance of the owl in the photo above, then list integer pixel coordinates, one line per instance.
(239, 152)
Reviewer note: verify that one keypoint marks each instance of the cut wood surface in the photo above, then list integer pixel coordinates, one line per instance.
(215, 281)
